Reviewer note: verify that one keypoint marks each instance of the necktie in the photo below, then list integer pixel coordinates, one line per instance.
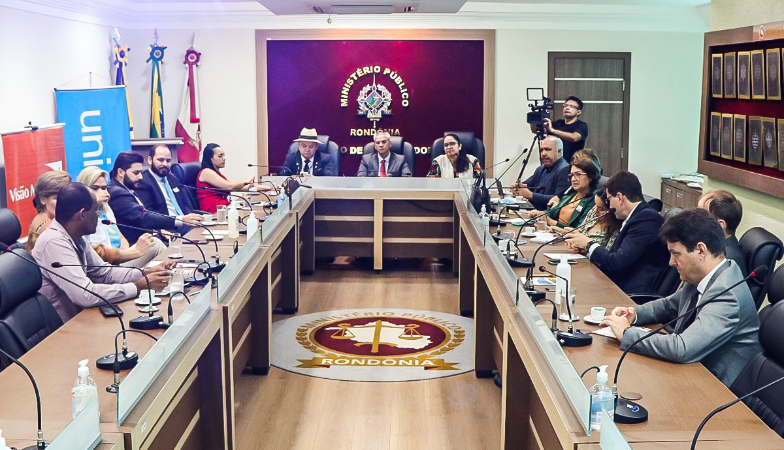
(307, 166)
(383, 168)
(686, 321)
(172, 197)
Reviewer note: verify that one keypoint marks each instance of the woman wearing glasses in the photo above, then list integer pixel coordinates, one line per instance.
(578, 201)
(455, 162)
(107, 240)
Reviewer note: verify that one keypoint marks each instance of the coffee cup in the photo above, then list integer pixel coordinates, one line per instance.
(520, 199)
(208, 217)
(146, 296)
(529, 230)
(598, 312)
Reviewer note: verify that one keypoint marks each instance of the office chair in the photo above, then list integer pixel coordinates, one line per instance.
(761, 248)
(399, 146)
(653, 202)
(187, 174)
(764, 368)
(10, 228)
(776, 288)
(26, 317)
(329, 147)
(672, 212)
(471, 144)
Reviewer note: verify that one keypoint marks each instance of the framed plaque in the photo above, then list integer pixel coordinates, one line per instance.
(780, 140)
(744, 83)
(755, 140)
(773, 60)
(716, 77)
(729, 75)
(739, 133)
(757, 75)
(770, 152)
(715, 134)
(726, 136)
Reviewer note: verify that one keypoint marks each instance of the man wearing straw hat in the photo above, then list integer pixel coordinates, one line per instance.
(307, 159)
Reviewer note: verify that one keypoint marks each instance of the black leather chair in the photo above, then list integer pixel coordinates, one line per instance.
(187, 174)
(654, 203)
(471, 144)
(776, 288)
(761, 247)
(329, 147)
(671, 212)
(26, 317)
(10, 228)
(668, 284)
(766, 367)
(400, 147)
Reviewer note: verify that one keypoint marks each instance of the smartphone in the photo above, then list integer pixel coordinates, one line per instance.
(108, 311)
(196, 242)
(554, 262)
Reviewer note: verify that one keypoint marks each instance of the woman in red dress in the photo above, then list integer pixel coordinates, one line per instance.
(211, 181)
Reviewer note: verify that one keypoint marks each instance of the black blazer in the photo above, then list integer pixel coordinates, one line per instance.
(323, 166)
(638, 258)
(556, 185)
(152, 197)
(128, 211)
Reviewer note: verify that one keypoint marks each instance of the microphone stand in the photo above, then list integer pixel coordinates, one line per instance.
(570, 338)
(627, 411)
(498, 178)
(41, 442)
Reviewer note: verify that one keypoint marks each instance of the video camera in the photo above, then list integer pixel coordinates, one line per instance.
(538, 112)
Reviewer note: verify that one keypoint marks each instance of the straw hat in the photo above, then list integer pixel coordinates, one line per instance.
(308, 135)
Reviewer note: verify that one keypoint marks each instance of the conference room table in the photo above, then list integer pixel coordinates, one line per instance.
(188, 401)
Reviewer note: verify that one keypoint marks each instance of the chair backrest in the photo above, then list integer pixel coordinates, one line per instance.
(675, 210)
(653, 202)
(760, 247)
(669, 282)
(764, 368)
(471, 144)
(10, 228)
(26, 317)
(399, 146)
(776, 288)
(329, 147)
(187, 174)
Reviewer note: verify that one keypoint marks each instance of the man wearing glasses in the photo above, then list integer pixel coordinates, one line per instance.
(572, 131)
(382, 162)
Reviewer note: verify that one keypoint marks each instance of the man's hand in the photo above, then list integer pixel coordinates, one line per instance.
(553, 201)
(519, 188)
(192, 217)
(547, 125)
(533, 213)
(159, 276)
(618, 324)
(144, 243)
(630, 313)
(578, 241)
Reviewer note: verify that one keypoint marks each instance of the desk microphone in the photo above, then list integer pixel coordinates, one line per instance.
(125, 360)
(216, 266)
(554, 325)
(627, 411)
(569, 338)
(41, 443)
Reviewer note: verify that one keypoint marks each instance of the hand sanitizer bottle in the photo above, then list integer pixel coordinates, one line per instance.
(252, 224)
(234, 219)
(601, 399)
(563, 269)
(485, 218)
(84, 389)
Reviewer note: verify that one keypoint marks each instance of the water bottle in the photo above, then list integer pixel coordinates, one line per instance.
(252, 224)
(281, 198)
(564, 272)
(485, 219)
(83, 390)
(601, 399)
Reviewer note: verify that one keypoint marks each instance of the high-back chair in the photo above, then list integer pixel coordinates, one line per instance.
(329, 147)
(761, 247)
(398, 146)
(471, 144)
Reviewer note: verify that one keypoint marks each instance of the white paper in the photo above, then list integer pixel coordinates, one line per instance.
(607, 331)
(544, 281)
(569, 256)
(215, 232)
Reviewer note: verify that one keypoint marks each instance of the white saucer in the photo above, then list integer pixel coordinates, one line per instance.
(591, 320)
(223, 223)
(528, 235)
(209, 224)
(155, 301)
(214, 238)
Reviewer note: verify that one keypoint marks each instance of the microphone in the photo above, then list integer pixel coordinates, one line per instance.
(41, 443)
(627, 411)
(569, 338)
(216, 190)
(725, 406)
(554, 326)
(216, 266)
(170, 309)
(122, 361)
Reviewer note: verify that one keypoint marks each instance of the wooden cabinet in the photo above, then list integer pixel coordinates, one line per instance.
(675, 193)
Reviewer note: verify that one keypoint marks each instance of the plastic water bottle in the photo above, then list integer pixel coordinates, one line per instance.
(84, 389)
(485, 219)
(234, 222)
(601, 399)
(252, 224)
(564, 272)
(281, 199)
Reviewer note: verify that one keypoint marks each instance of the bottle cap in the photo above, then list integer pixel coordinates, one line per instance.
(601, 377)
(83, 371)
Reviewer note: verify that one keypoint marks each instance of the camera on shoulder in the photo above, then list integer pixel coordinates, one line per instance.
(540, 110)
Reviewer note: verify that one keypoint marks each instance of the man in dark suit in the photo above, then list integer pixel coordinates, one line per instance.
(382, 162)
(723, 334)
(307, 159)
(128, 208)
(729, 212)
(549, 179)
(637, 259)
(162, 192)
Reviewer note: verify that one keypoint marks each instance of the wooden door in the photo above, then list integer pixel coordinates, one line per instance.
(601, 81)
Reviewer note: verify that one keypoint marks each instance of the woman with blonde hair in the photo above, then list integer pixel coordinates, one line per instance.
(45, 200)
(107, 240)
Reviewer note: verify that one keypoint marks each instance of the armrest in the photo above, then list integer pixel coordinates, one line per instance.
(644, 298)
(198, 211)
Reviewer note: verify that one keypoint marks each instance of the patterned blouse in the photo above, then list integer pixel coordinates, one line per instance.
(442, 168)
(599, 235)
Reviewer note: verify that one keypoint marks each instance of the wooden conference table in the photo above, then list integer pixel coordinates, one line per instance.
(190, 404)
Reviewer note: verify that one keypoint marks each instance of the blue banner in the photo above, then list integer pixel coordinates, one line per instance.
(96, 126)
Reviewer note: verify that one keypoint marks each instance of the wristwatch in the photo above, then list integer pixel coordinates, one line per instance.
(589, 244)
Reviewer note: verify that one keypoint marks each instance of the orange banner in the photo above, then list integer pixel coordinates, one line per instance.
(27, 155)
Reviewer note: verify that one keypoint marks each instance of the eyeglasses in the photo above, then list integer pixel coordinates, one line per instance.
(96, 188)
(382, 142)
(450, 144)
(575, 174)
(569, 105)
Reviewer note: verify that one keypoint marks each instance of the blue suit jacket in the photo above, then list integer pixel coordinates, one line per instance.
(152, 197)
(637, 259)
(128, 211)
(556, 185)
(322, 164)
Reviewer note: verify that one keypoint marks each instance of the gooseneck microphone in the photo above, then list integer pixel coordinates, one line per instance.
(569, 338)
(554, 325)
(41, 443)
(127, 359)
(627, 411)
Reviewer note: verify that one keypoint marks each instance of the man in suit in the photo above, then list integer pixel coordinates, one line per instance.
(128, 208)
(724, 333)
(729, 212)
(382, 162)
(162, 192)
(549, 179)
(637, 259)
(307, 159)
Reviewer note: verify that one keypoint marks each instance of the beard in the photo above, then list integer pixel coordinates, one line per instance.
(127, 182)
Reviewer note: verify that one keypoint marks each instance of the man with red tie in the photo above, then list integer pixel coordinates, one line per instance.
(382, 162)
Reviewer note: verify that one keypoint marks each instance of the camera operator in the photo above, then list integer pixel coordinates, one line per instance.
(572, 131)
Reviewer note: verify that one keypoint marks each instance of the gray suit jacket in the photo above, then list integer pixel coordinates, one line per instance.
(397, 166)
(724, 336)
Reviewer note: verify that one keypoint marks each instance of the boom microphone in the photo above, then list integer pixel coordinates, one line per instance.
(41, 443)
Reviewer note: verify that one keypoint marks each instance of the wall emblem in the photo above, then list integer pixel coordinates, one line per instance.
(374, 101)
